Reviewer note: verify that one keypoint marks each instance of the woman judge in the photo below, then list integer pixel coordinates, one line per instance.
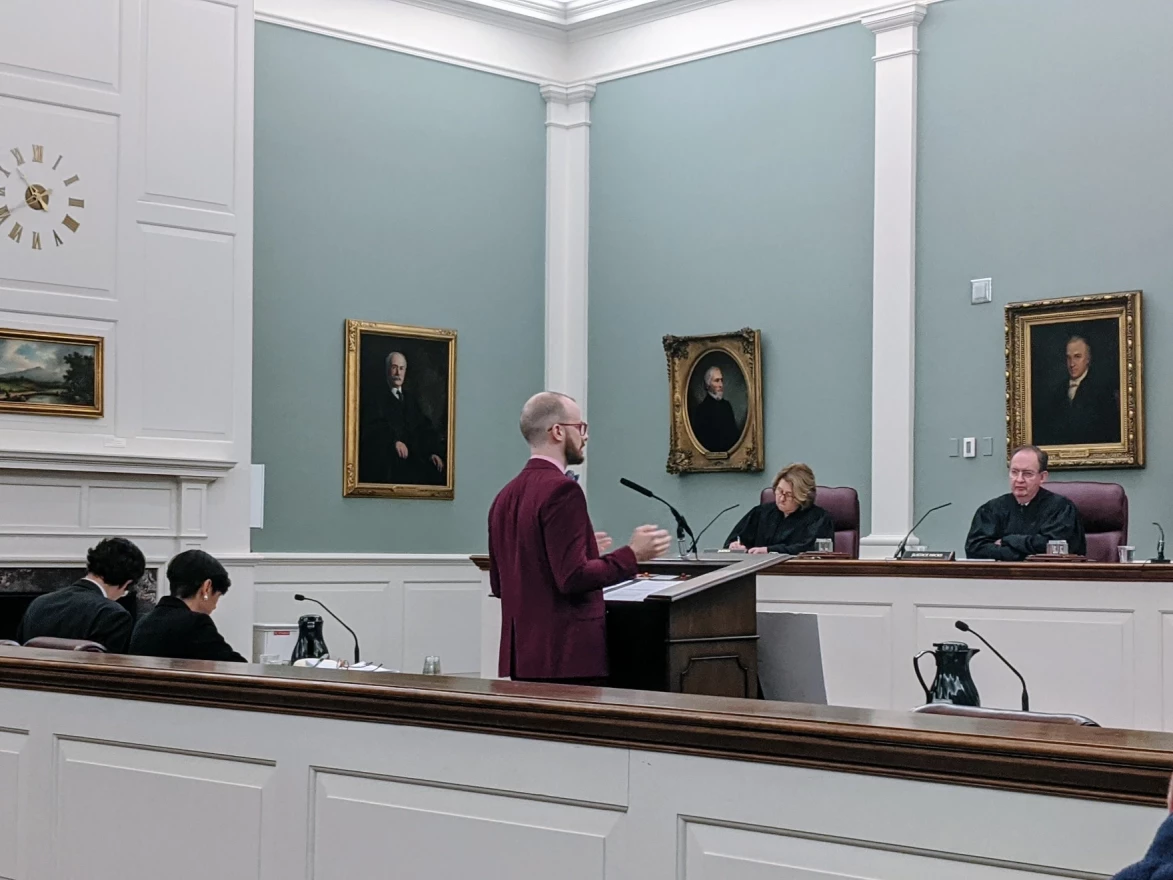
(180, 626)
(791, 523)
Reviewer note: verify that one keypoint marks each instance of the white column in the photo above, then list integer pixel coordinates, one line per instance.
(893, 278)
(568, 120)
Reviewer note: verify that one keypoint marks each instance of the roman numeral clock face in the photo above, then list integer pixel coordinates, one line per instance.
(41, 201)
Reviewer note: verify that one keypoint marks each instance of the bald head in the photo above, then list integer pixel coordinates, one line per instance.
(540, 413)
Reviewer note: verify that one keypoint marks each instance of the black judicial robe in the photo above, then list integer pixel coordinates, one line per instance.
(173, 630)
(1024, 529)
(714, 425)
(767, 526)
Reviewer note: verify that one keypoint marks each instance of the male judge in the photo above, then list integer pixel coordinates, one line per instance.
(544, 561)
(1085, 407)
(712, 419)
(89, 609)
(399, 443)
(1018, 525)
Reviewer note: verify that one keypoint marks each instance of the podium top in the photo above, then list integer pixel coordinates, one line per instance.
(707, 572)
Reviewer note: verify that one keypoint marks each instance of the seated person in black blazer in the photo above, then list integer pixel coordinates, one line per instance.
(89, 608)
(791, 523)
(180, 626)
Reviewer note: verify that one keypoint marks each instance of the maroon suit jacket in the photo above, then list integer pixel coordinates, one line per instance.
(544, 565)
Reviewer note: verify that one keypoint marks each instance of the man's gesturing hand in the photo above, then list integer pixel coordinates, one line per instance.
(648, 542)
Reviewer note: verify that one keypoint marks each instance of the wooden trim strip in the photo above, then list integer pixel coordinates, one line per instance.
(966, 569)
(1109, 765)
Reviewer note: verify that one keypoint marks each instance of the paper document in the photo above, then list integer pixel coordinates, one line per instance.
(637, 589)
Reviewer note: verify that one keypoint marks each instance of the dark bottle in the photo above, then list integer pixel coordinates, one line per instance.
(309, 639)
(952, 682)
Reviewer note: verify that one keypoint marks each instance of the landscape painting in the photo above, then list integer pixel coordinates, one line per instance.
(53, 374)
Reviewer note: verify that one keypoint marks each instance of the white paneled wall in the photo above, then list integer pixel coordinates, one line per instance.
(149, 104)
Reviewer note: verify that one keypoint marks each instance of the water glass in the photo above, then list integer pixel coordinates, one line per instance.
(1056, 548)
(431, 665)
(825, 545)
(1124, 552)
(271, 659)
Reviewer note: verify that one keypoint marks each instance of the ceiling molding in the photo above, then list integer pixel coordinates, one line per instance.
(563, 42)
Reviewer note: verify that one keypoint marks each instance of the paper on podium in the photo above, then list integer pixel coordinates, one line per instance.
(638, 589)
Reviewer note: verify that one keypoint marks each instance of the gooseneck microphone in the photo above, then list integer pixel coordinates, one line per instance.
(681, 522)
(301, 598)
(1160, 545)
(713, 520)
(904, 542)
(964, 627)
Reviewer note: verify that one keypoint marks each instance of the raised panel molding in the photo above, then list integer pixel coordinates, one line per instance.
(62, 38)
(216, 800)
(358, 822)
(190, 88)
(442, 618)
(12, 743)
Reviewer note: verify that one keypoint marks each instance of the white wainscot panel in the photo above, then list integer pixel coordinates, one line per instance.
(103, 786)
(65, 38)
(856, 642)
(188, 287)
(191, 102)
(78, 169)
(714, 852)
(409, 829)
(444, 619)
(121, 508)
(11, 744)
(35, 504)
(1058, 652)
(1167, 669)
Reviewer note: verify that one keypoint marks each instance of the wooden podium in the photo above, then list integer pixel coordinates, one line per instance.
(698, 636)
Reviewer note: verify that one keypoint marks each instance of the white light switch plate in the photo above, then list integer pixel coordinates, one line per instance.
(981, 290)
(969, 447)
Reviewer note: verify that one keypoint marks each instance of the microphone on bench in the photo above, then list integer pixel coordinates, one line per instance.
(964, 627)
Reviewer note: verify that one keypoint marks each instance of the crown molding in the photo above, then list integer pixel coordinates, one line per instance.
(897, 17)
(574, 94)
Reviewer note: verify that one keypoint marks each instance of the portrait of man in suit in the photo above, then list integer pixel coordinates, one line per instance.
(402, 428)
(1076, 389)
(718, 402)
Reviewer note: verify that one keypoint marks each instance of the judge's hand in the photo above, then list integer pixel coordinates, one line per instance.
(998, 543)
(438, 462)
(604, 541)
(758, 550)
(648, 542)
(401, 448)
(736, 545)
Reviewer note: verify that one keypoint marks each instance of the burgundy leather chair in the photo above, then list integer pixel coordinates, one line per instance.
(1103, 507)
(842, 503)
(55, 644)
(1003, 714)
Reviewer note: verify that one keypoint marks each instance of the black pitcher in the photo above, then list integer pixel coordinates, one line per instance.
(309, 638)
(952, 683)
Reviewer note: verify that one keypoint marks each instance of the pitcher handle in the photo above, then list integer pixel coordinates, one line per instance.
(916, 666)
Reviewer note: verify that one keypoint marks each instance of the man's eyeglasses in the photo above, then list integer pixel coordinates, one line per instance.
(1026, 475)
(582, 426)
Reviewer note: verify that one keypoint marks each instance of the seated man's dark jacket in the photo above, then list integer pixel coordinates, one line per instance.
(174, 630)
(80, 611)
(1024, 530)
(1157, 863)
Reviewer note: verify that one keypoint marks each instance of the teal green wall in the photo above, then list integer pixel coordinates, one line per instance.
(389, 188)
(1046, 137)
(731, 192)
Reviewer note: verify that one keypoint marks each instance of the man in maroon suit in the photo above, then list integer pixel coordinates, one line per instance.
(544, 561)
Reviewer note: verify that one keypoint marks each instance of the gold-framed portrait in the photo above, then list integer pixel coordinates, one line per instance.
(51, 374)
(400, 411)
(1075, 379)
(715, 398)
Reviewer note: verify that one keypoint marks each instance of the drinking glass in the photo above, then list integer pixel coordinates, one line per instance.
(1056, 548)
(1125, 552)
(825, 545)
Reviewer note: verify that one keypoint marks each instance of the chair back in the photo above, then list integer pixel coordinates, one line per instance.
(1003, 714)
(1103, 508)
(842, 504)
(55, 644)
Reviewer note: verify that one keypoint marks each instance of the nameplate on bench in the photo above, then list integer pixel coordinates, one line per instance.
(937, 555)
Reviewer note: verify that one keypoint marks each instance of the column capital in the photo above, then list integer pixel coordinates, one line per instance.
(573, 94)
(896, 17)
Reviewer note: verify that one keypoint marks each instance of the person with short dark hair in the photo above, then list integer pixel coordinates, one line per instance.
(1021, 523)
(89, 609)
(180, 626)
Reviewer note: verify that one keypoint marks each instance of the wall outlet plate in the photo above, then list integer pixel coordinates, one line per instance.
(981, 290)
(954, 447)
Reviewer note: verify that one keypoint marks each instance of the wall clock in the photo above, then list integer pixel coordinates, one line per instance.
(40, 201)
